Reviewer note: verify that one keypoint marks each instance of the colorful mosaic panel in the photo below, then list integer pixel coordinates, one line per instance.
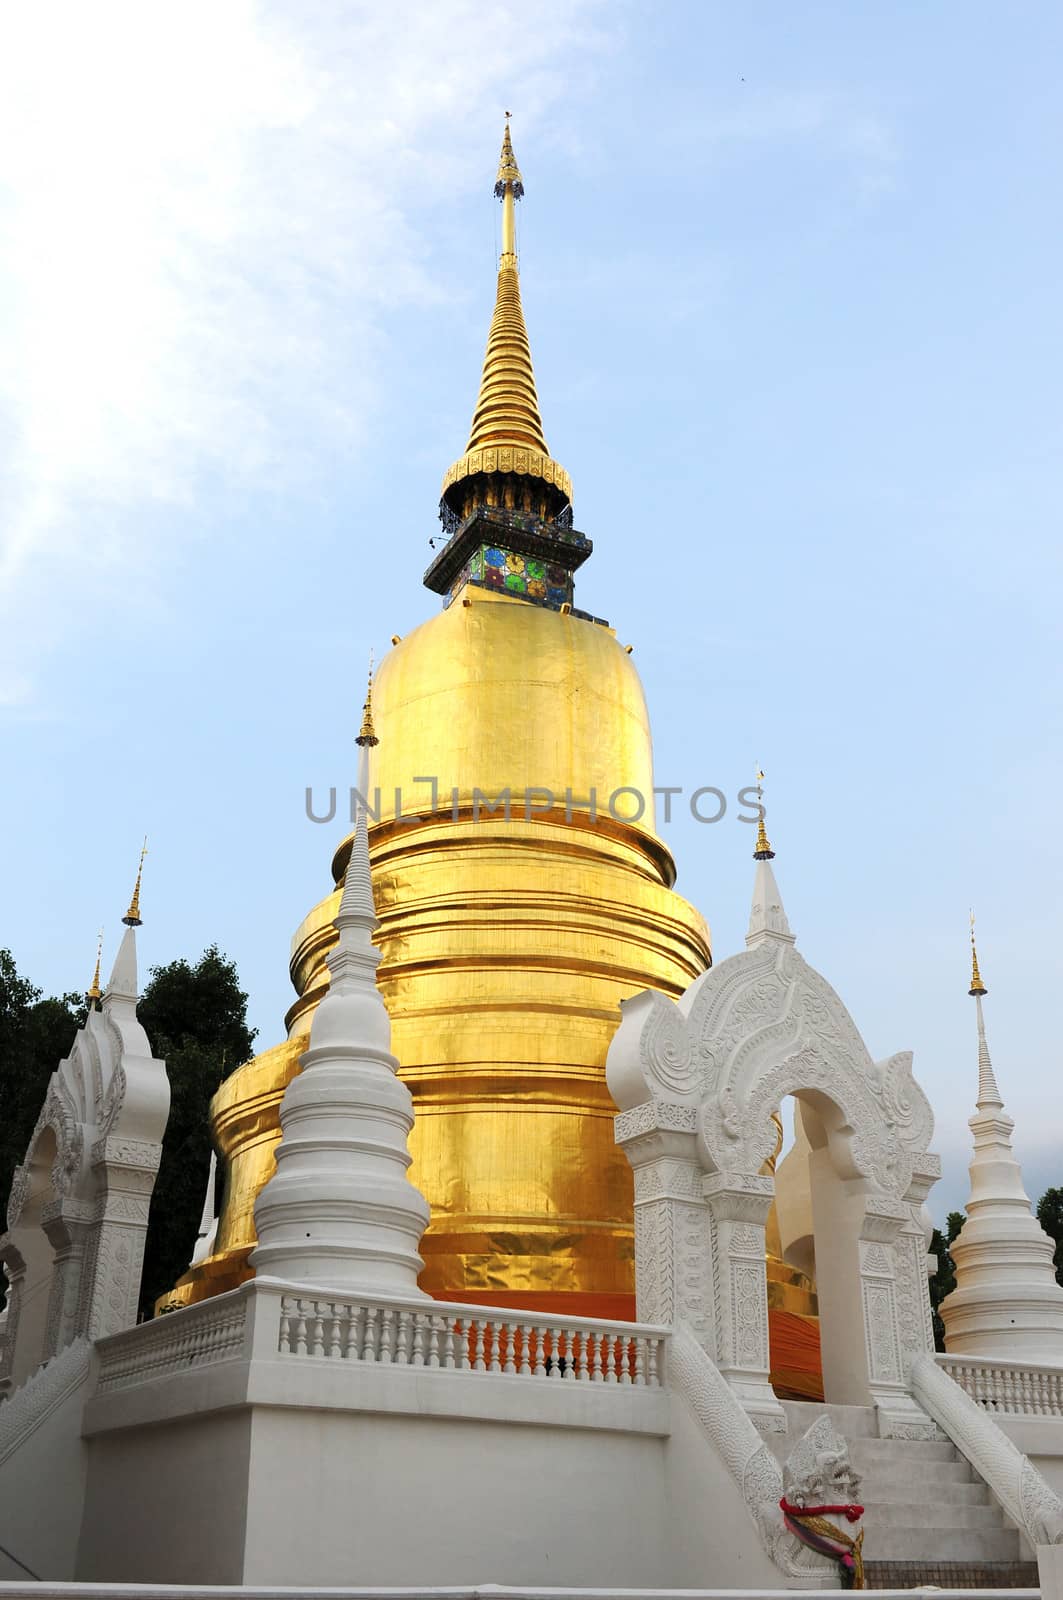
(527, 577)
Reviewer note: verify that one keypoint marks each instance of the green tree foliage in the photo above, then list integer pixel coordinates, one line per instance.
(196, 1020)
(1050, 1216)
(944, 1280)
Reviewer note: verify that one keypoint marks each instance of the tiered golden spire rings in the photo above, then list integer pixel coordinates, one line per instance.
(367, 733)
(977, 988)
(507, 431)
(764, 851)
(132, 918)
(508, 171)
(95, 992)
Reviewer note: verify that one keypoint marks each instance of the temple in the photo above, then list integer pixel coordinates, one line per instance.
(512, 1282)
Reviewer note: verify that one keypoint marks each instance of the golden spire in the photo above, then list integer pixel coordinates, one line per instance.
(764, 851)
(507, 431)
(132, 918)
(977, 988)
(95, 993)
(367, 733)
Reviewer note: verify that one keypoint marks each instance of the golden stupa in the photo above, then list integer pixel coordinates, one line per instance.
(508, 935)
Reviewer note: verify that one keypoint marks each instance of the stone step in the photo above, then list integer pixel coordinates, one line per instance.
(926, 1514)
(919, 1544)
(951, 1575)
(927, 1474)
(913, 1450)
(895, 1487)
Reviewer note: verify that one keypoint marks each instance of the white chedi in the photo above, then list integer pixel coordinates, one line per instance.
(1006, 1303)
(340, 1211)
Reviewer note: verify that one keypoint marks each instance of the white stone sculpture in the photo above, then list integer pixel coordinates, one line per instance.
(819, 1470)
(77, 1213)
(340, 1211)
(697, 1082)
(1006, 1303)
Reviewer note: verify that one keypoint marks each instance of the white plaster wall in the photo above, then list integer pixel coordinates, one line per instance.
(354, 1498)
(711, 1539)
(42, 1489)
(1040, 1438)
(167, 1503)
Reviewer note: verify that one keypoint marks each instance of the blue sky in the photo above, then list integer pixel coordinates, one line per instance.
(791, 276)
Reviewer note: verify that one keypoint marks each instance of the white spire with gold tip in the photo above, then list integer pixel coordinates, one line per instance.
(1006, 1303)
(988, 1093)
(767, 918)
(340, 1211)
(94, 992)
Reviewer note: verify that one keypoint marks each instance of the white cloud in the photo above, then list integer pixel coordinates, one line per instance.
(187, 194)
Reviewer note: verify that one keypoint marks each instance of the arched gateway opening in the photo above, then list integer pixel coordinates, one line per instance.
(699, 1083)
(818, 1220)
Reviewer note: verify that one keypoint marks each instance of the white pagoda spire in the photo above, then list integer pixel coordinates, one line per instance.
(340, 1211)
(1006, 1302)
(208, 1222)
(767, 918)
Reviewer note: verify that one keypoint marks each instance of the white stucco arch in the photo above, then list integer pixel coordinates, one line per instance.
(78, 1207)
(697, 1082)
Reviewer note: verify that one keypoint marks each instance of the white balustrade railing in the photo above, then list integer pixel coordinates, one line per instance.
(1008, 1388)
(195, 1337)
(473, 1339)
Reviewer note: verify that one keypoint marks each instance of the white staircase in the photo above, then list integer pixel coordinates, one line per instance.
(924, 1504)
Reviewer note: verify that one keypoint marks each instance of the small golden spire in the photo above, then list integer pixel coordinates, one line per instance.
(764, 851)
(367, 733)
(95, 993)
(132, 918)
(977, 988)
(508, 171)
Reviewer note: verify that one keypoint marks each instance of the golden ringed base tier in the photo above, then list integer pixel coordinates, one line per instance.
(506, 946)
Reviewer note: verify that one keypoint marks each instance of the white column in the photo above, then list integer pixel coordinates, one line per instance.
(739, 1206)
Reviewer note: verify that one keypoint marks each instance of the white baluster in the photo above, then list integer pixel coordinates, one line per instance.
(335, 1348)
(300, 1328)
(418, 1340)
(350, 1341)
(525, 1350)
(539, 1336)
(435, 1323)
(372, 1333)
(387, 1321)
(449, 1337)
(509, 1337)
(479, 1364)
(402, 1340)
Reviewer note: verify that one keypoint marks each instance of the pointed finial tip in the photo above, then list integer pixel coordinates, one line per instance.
(95, 992)
(763, 851)
(367, 732)
(508, 179)
(977, 988)
(132, 918)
